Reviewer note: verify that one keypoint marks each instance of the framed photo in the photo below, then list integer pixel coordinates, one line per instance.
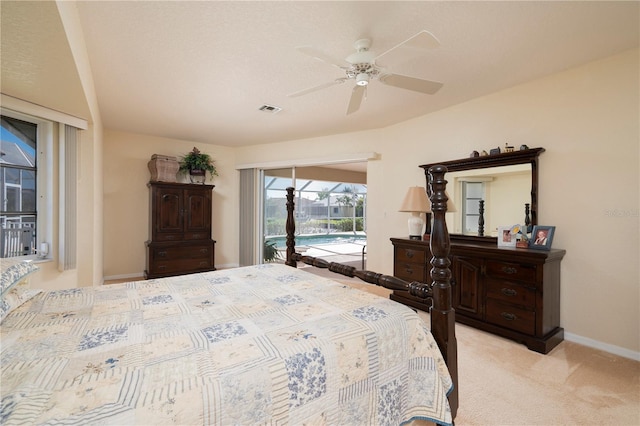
(505, 237)
(541, 237)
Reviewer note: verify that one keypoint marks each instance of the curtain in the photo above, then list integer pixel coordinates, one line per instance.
(247, 217)
(68, 190)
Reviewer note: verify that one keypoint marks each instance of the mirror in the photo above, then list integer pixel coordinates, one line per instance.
(503, 190)
(504, 182)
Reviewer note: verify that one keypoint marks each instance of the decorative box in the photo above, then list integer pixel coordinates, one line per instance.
(163, 168)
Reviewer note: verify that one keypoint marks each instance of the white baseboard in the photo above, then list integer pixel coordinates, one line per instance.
(122, 277)
(606, 347)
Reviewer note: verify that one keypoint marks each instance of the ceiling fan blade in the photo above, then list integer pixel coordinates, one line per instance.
(423, 40)
(316, 54)
(411, 83)
(316, 88)
(356, 99)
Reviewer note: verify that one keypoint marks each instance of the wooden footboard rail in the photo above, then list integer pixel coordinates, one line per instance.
(438, 293)
(387, 281)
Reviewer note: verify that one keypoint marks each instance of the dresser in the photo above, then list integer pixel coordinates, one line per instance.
(179, 230)
(511, 292)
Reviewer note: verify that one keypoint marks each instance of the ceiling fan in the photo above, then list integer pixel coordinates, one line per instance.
(361, 66)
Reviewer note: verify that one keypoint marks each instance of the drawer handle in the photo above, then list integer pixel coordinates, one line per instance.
(409, 254)
(204, 250)
(509, 270)
(509, 292)
(197, 236)
(162, 267)
(203, 263)
(509, 316)
(170, 237)
(162, 253)
(408, 270)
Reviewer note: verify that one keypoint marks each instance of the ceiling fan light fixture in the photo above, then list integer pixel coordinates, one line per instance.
(362, 79)
(361, 67)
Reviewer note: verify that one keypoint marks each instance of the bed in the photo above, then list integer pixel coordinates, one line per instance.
(265, 344)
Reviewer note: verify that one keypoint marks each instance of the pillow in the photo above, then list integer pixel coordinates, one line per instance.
(14, 299)
(14, 272)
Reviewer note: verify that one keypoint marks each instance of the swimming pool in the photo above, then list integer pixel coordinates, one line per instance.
(311, 240)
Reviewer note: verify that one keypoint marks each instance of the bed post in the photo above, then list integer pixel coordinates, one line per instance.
(442, 314)
(290, 229)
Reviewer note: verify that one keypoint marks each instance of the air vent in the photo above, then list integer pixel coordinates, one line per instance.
(270, 108)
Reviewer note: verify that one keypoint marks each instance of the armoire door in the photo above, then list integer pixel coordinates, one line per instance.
(168, 209)
(197, 217)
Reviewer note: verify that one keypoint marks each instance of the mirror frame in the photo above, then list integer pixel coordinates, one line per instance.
(523, 156)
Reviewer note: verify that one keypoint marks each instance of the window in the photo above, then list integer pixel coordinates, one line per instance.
(24, 186)
(472, 193)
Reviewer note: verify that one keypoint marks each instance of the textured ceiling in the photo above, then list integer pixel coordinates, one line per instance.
(37, 64)
(200, 70)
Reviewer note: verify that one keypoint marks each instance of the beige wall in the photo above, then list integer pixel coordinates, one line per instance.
(587, 120)
(126, 199)
(89, 219)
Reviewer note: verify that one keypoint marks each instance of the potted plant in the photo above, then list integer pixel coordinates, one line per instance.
(197, 164)
(271, 252)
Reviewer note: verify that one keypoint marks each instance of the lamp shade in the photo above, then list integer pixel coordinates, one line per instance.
(416, 200)
(451, 208)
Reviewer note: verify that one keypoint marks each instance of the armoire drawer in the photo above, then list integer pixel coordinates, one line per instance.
(169, 253)
(197, 235)
(167, 236)
(511, 316)
(177, 265)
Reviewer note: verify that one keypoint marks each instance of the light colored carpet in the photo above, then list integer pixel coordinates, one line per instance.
(504, 383)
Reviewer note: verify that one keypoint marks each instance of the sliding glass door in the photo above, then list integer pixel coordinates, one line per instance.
(326, 212)
(274, 212)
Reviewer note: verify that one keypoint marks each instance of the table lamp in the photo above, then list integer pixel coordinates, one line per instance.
(416, 203)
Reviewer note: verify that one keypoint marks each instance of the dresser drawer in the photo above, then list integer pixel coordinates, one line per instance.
(512, 271)
(410, 271)
(510, 316)
(403, 254)
(512, 293)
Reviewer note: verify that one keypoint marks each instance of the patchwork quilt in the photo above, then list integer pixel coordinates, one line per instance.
(266, 344)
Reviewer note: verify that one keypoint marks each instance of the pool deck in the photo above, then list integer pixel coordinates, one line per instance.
(341, 253)
(321, 250)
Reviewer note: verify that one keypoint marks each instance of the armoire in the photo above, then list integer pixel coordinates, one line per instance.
(179, 229)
